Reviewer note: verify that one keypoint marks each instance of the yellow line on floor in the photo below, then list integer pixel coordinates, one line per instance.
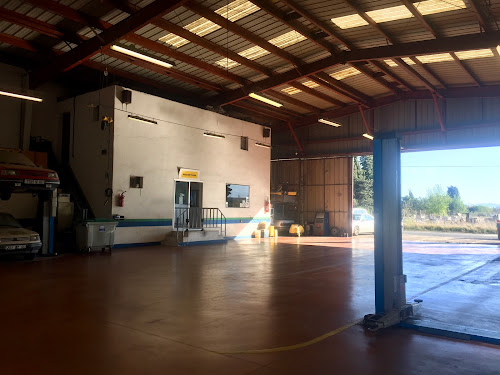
(296, 346)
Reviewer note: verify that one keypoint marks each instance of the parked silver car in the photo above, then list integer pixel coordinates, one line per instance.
(14, 239)
(362, 223)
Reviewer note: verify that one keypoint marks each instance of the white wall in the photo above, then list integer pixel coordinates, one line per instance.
(157, 151)
(92, 169)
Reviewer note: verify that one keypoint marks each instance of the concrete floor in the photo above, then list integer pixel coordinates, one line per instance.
(164, 310)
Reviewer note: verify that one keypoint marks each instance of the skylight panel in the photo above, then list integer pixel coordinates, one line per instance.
(174, 40)
(345, 73)
(350, 21)
(390, 63)
(310, 84)
(390, 14)
(237, 10)
(438, 6)
(291, 90)
(234, 11)
(282, 41)
(399, 12)
(408, 61)
(227, 63)
(253, 53)
(474, 54)
(438, 57)
(287, 39)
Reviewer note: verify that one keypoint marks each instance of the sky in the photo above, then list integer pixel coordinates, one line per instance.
(474, 171)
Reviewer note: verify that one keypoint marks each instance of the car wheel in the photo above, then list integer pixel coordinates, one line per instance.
(356, 231)
(5, 195)
(29, 256)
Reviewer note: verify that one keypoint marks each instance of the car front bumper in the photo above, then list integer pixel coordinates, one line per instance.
(21, 248)
(28, 185)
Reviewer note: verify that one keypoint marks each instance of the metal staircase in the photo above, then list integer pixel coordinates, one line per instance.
(198, 222)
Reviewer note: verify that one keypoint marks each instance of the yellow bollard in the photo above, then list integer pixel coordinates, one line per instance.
(271, 231)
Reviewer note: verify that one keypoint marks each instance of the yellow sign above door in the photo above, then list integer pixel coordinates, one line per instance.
(189, 174)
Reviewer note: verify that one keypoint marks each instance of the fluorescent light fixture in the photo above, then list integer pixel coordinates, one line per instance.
(366, 135)
(474, 54)
(234, 11)
(260, 144)
(142, 119)
(19, 96)
(291, 90)
(265, 100)
(328, 122)
(142, 56)
(213, 135)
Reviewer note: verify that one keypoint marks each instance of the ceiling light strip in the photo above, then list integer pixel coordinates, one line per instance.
(213, 135)
(142, 119)
(260, 144)
(328, 122)
(20, 96)
(370, 137)
(265, 100)
(141, 56)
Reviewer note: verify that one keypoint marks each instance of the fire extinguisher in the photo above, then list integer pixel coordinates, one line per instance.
(266, 205)
(121, 199)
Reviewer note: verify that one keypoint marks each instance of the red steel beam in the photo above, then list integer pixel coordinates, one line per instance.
(316, 93)
(367, 127)
(295, 137)
(438, 111)
(239, 30)
(448, 44)
(92, 46)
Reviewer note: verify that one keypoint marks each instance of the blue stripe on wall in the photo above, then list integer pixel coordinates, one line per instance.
(168, 222)
(145, 223)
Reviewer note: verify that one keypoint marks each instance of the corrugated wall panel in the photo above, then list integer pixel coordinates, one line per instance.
(464, 111)
(395, 117)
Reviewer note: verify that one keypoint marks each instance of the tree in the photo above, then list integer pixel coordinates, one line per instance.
(481, 210)
(457, 206)
(453, 192)
(410, 205)
(437, 202)
(363, 182)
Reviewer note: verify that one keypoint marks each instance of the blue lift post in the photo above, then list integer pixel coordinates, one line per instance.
(390, 292)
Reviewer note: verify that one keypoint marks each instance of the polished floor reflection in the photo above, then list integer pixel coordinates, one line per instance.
(162, 310)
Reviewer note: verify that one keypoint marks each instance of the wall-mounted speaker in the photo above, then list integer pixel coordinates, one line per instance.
(126, 96)
(266, 132)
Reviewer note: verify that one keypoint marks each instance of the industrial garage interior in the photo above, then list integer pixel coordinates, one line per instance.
(148, 148)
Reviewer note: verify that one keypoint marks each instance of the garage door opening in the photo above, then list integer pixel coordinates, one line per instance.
(451, 249)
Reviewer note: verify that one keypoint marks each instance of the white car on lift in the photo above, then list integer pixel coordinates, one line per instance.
(362, 222)
(15, 240)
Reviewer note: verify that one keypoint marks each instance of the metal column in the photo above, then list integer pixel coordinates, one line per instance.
(389, 279)
(390, 292)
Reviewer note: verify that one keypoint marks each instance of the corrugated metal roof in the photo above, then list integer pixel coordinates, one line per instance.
(266, 26)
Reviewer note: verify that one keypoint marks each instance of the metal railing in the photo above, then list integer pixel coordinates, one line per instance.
(196, 218)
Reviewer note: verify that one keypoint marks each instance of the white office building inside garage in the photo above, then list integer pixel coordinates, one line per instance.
(175, 129)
